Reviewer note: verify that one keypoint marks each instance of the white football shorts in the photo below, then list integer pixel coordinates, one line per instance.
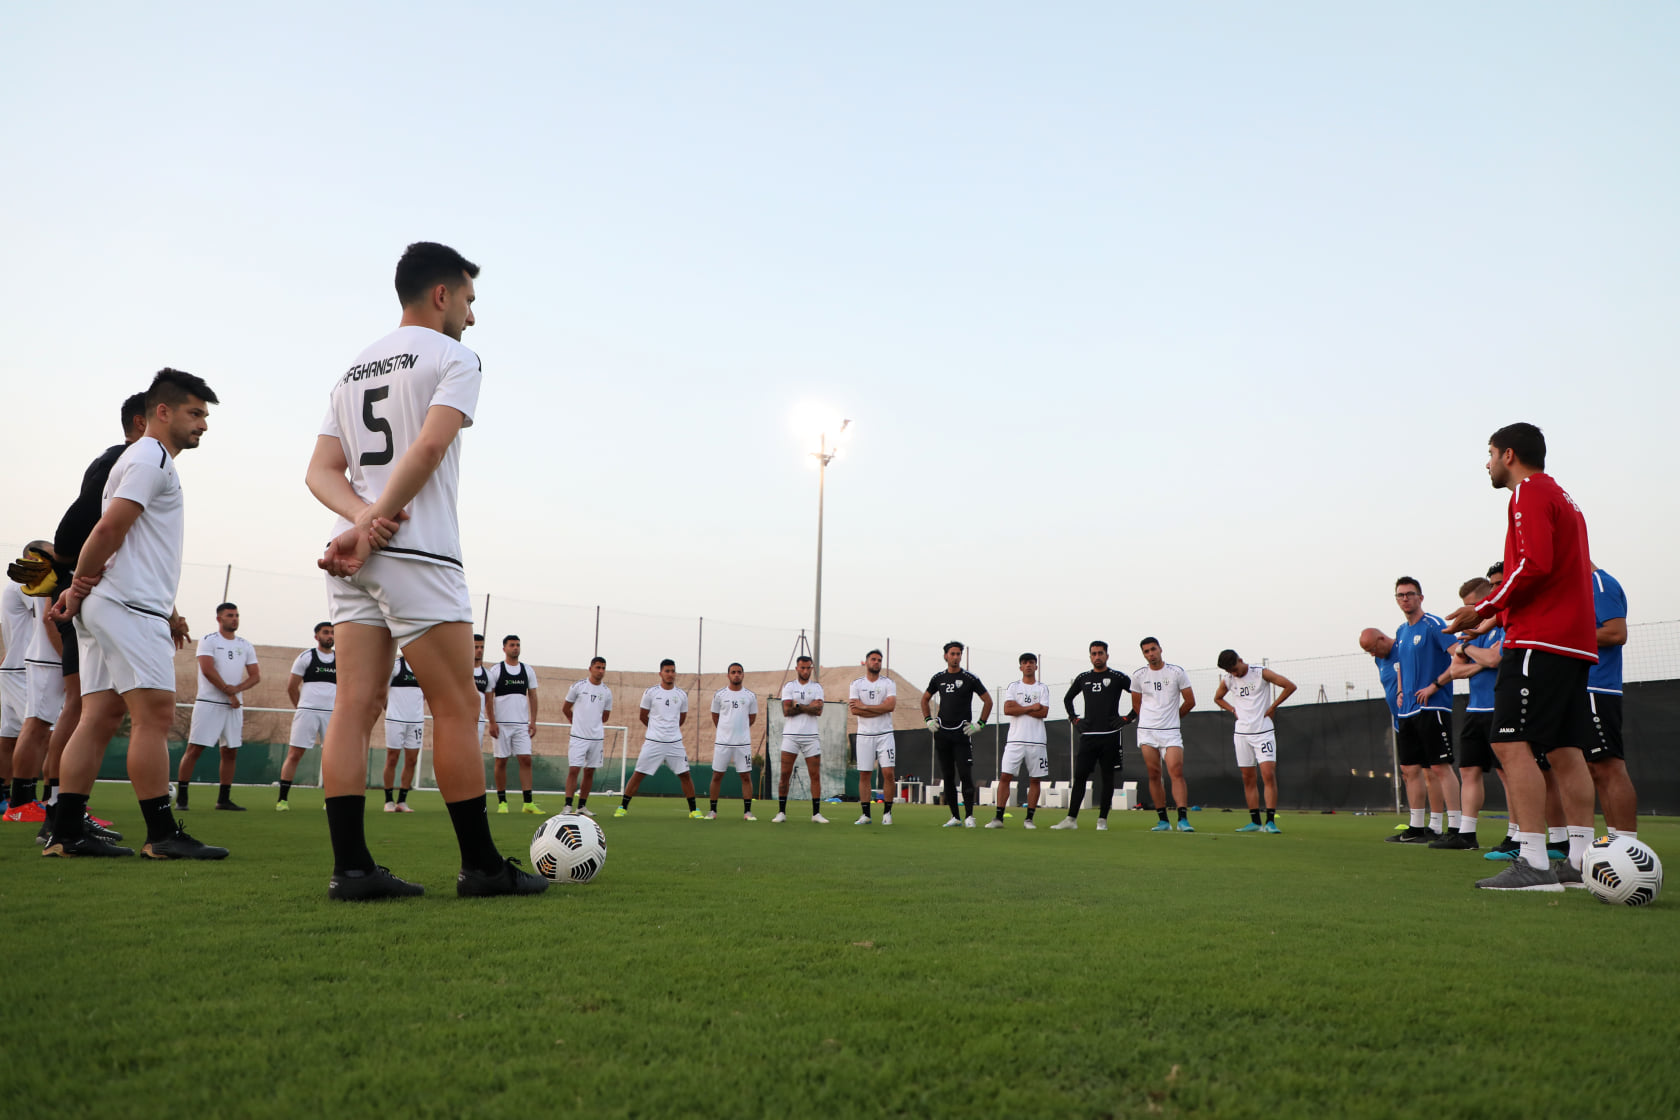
(406, 597)
(14, 699)
(512, 739)
(738, 757)
(877, 749)
(655, 755)
(587, 753)
(216, 725)
(309, 728)
(805, 746)
(1035, 755)
(1161, 739)
(123, 649)
(402, 736)
(1255, 747)
(482, 724)
(46, 693)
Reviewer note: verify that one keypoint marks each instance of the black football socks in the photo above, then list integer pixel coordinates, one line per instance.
(472, 831)
(349, 843)
(160, 822)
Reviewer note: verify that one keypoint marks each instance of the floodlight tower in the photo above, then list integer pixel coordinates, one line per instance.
(828, 446)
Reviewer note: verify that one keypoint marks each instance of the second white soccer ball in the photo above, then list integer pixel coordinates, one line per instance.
(569, 849)
(1622, 872)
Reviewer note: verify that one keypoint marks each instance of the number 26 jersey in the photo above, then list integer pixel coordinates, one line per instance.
(376, 411)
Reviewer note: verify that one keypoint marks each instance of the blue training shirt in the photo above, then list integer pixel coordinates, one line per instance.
(1388, 669)
(1609, 601)
(1481, 684)
(1421, 648)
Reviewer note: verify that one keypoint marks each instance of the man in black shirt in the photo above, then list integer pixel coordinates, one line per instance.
(1104, 690)
(952, 730)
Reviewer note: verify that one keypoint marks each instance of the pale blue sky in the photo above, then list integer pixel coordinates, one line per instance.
(1190, 320)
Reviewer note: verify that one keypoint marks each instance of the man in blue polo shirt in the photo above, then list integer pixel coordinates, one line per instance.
(1476, 659)
(1381, 648)
(1604, 692)
(1424, 739)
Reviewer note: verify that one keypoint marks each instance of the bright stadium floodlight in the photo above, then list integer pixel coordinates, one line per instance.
(827, 426)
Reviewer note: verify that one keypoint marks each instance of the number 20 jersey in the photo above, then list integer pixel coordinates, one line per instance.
(376, 411)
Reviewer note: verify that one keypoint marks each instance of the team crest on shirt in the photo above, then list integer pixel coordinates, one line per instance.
(1416, 638)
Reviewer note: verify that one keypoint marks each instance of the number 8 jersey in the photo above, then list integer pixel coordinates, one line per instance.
(377, 410)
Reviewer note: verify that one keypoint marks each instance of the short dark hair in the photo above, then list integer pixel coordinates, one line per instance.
(874, 653)
(1100, 642)
(949, 646)
(735, 665)
(597, 660)
(1147, 641)
(1476, 586)
(1403, 580)
(1227, 658)
(320, 626)
(510, 638)
(666, 662)
(132, 407)
(801, 657)
(426, 264)
(1497, 568)
(1033, 657)
(220, 607)
(172, 387)
(1526, 440)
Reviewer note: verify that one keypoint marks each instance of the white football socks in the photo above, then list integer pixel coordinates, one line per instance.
(1533, 850)
(1435, 822)
(1419, 816)
(1579, 838)
(1453, 817)
(1557, 837)
(1467, 824)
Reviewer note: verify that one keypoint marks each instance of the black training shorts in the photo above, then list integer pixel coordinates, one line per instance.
(1425, 739)
(1474, 746)
(1540, 699)
(1606, 742)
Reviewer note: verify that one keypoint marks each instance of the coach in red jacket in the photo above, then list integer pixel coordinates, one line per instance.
(1540, 704)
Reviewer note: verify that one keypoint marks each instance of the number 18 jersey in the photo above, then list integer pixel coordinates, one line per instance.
(376, 411)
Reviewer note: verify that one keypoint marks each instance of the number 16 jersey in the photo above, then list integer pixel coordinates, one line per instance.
(376, 411)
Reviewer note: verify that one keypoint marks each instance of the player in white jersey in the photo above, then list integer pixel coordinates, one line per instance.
(14, 688)
(1161, 698)
(405, 733)
(388, 461)
(123, 598)
(481, 681)
(734, 711)
(510, 701)
(43, 702)
(311, 686)
(586, 706)
(664, 711)
(802, 705)
(873, 698)
(227, 668)
(1027, 704)
(1246, 692)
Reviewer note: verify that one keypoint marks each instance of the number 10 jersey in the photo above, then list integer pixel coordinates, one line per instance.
(376, 412)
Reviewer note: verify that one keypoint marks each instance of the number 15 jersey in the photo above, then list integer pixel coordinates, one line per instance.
(376, 411)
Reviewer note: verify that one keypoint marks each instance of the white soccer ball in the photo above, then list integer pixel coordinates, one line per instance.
(1622, 872)
(569, 849)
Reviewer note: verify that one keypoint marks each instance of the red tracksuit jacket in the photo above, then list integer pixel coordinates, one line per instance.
(1547, 596)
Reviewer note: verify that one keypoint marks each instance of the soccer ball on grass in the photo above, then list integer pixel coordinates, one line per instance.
(1622, 872)
(568, 849)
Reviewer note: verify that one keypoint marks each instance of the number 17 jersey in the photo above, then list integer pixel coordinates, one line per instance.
(376, 411)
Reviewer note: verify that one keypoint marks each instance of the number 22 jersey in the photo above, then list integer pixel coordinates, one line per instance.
(376, 411)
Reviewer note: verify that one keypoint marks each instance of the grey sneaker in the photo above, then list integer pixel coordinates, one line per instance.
(1519, 876)
(1569, 876)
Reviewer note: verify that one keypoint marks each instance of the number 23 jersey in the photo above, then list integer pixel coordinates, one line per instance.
(376, 412)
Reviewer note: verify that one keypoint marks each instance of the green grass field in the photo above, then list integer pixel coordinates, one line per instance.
(733, 969)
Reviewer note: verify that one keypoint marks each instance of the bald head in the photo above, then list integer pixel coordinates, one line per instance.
(1375, 642)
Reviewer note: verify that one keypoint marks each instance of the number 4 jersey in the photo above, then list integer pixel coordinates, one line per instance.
(377, 410)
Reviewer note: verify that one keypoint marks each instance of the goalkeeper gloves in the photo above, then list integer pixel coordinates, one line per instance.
(973, 729)
(932, 724)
